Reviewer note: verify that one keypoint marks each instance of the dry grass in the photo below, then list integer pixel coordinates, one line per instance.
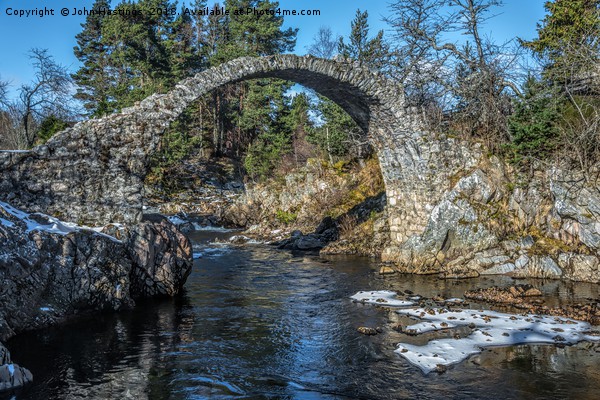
(347, 224)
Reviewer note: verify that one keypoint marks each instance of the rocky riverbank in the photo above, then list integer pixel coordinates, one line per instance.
(491, 219)
(334, 209)
(497, 220)
(51, 270)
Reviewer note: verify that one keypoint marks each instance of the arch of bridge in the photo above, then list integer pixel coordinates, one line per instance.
(93, 172)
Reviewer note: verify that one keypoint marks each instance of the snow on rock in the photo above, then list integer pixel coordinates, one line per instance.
(43, 222)
(382, 298)
(490, 329)
(176, 220)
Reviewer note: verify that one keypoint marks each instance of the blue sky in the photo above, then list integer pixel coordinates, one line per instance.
(57, 33)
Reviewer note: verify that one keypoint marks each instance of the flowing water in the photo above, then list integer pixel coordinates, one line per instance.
(258, 323)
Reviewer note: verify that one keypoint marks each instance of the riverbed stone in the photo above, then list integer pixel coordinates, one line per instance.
(386, 270)
(161, 255)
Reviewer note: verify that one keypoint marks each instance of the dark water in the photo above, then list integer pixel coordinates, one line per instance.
(258, 323)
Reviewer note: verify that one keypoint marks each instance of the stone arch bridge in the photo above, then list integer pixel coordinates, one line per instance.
(93, 173)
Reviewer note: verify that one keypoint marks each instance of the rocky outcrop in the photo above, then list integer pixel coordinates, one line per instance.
(453, 229)
(51, 270)
(161, 257)
(546, 225)
(11, 375)
(338, 209)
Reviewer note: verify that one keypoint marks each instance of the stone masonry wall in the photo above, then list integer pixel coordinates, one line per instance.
(93, 172)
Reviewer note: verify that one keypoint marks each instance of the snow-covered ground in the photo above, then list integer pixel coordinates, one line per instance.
(489, 329)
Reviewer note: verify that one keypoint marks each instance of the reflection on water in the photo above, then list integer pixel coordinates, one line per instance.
(258, 323)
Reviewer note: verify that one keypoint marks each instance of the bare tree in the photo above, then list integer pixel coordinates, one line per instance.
(3, 91)
(12, 134)
(580, 129)
(469, 80)
(49, 93)
(324, 44)
(417, 65)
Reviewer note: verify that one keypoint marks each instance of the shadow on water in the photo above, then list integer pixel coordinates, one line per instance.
(258, 323)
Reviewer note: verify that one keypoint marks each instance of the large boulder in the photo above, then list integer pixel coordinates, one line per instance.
(51, 270)
(161, 255)
(11, 375)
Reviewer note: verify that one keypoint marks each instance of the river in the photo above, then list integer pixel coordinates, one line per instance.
(256, 322)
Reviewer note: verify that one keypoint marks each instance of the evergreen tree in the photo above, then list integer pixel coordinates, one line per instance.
(91, 78)
(336, 135)
(298, 122)
(49, 126)
(181, 44)
(534, 126)
(251, 110)
(568, 41)
(568, 45)
(370, 51)
(139, 58)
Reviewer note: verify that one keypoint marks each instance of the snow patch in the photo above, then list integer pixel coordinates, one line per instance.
(175, 220)
(490, 329)
(209, 228)
(382, 298)
(53, 225)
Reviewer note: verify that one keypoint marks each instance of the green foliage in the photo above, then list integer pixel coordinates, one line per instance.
(265, 153)
(128, 57)
(49, 126)
(333, 137)
(372, 52)
(568, 38)
(297, 118)
(92, 76)
(286, 217)
(255, 35)
(534, 124)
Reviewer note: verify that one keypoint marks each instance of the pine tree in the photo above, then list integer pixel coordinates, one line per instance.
(181, 46)
(334, 136)
(372, 52)
(568, 41)
(91, 78)
(250, 110)
(534, 124)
